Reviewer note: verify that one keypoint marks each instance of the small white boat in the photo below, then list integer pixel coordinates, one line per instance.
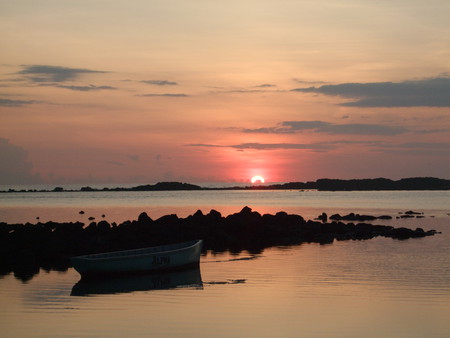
(164, 257)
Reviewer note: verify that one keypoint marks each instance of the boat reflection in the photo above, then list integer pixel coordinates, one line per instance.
(153, 281)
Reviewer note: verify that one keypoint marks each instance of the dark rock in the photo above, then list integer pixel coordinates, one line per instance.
(357, 217)
(23, 247)
(246, 211)
(323, 217)
(336, 217)
(214, 214)
(103, 226)
(168, 219)
(401, 233)
(144, 218)
(92, 226)
(410, 212)
(198, 214)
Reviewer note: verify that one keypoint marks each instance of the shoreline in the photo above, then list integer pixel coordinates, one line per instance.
(377, 184)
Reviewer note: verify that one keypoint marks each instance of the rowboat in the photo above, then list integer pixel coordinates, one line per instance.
(164, 257)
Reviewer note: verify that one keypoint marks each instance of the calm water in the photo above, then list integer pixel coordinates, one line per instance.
(121, 206)
(375, 288)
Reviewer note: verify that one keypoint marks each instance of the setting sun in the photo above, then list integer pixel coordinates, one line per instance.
(257, 179)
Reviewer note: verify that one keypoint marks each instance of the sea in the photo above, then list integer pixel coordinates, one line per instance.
(358, 288)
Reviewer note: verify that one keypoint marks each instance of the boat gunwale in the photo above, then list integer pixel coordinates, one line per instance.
(116, 254)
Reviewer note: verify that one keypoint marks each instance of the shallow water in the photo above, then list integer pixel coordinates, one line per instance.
(121, 206)
(374, 288)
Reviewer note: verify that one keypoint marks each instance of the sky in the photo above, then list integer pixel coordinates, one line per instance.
(205, 91)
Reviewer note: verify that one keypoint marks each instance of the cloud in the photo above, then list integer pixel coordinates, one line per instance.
(432, 131)
(308, 82)
(433, 145)
(14, 166)
(87, 88)
(205, 145)
(418, 145)
(45, 73)
(15, 103)
(433, 92)
(262, 88)
(266, 85)
(241, 91)
(291, 127)
(160, 82)
(270, 146)
(164, 95)
(416, 148)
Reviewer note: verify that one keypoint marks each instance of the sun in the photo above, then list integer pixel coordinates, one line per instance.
(257, 179)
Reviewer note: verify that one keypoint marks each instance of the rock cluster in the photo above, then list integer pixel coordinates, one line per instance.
(358, 217)
(24, 248)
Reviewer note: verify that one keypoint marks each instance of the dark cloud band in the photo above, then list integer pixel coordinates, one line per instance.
(45, 73)
(160, 82)
(15, 103)
(291, 127)
(269, 146)
(87, 88)
(165, 95)
(434, 92)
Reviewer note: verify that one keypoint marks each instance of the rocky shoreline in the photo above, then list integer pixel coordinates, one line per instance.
(25, 248)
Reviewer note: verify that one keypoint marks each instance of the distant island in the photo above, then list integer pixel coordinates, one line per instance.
(324, 184)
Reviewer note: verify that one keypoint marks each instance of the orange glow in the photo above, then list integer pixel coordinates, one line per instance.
(257, 179)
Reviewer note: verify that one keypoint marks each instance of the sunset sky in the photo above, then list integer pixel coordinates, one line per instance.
(293, 90)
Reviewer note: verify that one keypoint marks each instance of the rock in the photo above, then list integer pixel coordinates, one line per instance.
(336, 217)
(214, 214)
(144, 218)
(410, 212)
(198, 214)
(50, 243)
(245, 211)
(92, 226)
(323, 217)
(401, 233)
(103, 226)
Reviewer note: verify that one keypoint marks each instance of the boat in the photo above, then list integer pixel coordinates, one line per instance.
(164, 257)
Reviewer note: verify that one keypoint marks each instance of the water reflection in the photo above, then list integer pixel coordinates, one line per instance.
(152, 281)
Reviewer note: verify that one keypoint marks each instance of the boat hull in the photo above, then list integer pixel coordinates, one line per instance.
(166, 257)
